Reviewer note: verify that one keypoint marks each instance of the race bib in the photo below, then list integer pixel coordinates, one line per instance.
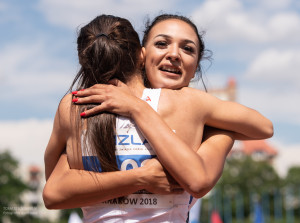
(141, 201)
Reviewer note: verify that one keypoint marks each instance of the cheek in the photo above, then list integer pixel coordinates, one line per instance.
(154, 78)
(154, 55)
(191, 69)
(150, 62)
(150, 73)
(151, 66)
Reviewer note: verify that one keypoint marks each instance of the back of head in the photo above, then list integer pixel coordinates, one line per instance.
(108, 47)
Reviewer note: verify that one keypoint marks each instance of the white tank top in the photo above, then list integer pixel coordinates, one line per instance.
(132, 150)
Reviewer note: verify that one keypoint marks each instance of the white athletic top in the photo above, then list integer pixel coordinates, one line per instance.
(132, 149)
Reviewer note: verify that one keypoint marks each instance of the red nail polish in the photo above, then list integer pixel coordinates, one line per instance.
(74, 92)
(75, 99)
(82, 90)
(82, 114)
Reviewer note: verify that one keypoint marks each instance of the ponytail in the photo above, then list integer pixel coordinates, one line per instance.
(108, 48)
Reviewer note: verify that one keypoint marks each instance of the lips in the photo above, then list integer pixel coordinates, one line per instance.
(170, 69)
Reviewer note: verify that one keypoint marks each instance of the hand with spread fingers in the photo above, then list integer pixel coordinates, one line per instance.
(115, 97)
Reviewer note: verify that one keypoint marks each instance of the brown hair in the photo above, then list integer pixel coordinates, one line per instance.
(108, 47)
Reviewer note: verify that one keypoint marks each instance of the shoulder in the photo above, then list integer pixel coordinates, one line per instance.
(191, 95)
(188, 99)
(200, 97)
(194, 93)
(65, 105)
(181, 98)
(63, 113)
(66, 101)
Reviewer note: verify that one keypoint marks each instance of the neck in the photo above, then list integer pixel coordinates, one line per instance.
(136, 85)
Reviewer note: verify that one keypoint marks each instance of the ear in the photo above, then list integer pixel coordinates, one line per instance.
(194, 73)
(143, 55)
(142, 59)
(196, 70)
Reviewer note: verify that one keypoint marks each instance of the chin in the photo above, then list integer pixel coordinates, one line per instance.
(170, 86)
(166, 83)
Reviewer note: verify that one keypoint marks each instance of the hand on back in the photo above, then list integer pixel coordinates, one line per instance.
(115, 97)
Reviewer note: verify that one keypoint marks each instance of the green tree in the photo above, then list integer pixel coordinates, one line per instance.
(293, 177)
(292, 187)
(11, 188)
(11, 185)
(243, 181)
(246, 175)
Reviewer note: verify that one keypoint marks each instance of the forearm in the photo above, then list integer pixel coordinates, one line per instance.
(214, 151)
(204, 166)
(70, 188)
(170, 149)
(245, 122)
(254, 125)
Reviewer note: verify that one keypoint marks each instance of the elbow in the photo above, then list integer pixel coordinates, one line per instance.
(269, 130)
(199, 187)
(49, 201)
(266, 131)
(52, 198)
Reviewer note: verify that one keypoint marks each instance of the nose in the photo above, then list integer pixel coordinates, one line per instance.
(173, 53)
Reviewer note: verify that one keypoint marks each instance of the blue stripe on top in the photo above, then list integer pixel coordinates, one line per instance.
(124, 162)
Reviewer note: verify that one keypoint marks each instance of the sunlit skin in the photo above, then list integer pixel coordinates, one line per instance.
(171, 59)
(172, 54)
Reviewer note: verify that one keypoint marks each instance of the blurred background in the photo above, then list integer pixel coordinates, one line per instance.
(255, 61)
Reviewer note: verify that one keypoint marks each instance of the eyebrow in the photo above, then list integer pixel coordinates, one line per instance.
(169, 37)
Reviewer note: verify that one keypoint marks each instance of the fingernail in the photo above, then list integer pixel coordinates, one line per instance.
(82, 114)
(74, 92)
(82, 90)
(75, 99)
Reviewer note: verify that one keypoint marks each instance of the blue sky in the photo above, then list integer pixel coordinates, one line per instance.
(256, 42)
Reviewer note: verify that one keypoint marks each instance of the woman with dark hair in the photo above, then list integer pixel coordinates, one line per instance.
(200, 48)
(172, 59)
(108, 47)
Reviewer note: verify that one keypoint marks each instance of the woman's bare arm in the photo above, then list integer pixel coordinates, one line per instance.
(72, 188)
(161, 137)
(214, 149)
(60, 133)
(246, 123)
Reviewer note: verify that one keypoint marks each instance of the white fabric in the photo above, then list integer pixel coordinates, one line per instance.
(74, 218)
(132, 149)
